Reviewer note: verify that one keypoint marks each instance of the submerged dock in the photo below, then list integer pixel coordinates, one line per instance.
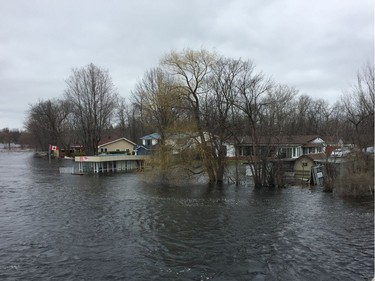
(110, 163)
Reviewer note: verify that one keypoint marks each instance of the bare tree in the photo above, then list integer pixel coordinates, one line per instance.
(218, 111)
(94, 99)
(128, 121)
(121, 116)
(278, 114)
(359, 107)
(157, 95)
(252, 92)
(47, 121)
(191, 69)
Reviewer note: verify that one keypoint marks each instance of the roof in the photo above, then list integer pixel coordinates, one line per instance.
(280, 140)
(108, 139)
(117, 140)
(153, 136)
(141, 147)
(314, 156)
(333, 140)
(311, 144)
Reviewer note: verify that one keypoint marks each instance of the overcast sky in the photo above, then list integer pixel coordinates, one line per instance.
(316, 46)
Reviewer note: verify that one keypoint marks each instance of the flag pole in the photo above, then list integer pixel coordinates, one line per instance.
(49, 153)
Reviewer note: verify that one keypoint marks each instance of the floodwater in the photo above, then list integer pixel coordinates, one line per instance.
(117, 227)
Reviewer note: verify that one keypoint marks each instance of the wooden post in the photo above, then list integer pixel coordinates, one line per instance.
(49, 153)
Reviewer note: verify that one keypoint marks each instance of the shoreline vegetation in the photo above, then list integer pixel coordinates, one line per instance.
(356, 181)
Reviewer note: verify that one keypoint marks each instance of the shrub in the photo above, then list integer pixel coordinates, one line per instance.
(357, 179)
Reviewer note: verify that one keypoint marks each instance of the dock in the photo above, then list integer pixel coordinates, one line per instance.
(110, 163)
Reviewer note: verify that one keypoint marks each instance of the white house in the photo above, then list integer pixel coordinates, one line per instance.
(285, 147)
(150, 140)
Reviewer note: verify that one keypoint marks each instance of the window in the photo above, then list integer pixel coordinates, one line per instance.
(285, 152)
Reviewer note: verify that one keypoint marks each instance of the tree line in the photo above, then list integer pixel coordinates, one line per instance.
(198, 92)
(14, 136)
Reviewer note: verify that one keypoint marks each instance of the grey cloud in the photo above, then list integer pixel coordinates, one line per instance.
(316, 46)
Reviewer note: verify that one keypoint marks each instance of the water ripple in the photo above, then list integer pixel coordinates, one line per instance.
(116, 227)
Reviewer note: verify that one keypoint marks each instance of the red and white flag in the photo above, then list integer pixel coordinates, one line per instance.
(53, 147)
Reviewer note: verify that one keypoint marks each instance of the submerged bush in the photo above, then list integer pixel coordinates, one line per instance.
(355, 185)
(357, 179)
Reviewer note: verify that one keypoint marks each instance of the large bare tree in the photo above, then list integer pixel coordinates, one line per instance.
(47, 121)
(156, 94)
(252, 100)
(359, 105)
(94, 99)
(218, 111)
(192, 69)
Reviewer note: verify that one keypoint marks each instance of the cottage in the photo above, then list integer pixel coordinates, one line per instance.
(118, 146)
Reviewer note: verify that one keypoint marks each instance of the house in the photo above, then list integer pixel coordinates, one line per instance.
(117, 146)
(184, 141)
(281, 147)
(178, 142)
(150, 140)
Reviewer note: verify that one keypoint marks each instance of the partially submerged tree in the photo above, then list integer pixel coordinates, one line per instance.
(94, 99)
(219, 112)
(191, 70)
(157, 97)
(252, 91)
(48, 122)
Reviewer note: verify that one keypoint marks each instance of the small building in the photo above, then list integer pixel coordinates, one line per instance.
(72, 150)
(303, 165)
(141, 150)
(118, 146)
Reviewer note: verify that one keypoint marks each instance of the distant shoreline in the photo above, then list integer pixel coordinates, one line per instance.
(17, 150)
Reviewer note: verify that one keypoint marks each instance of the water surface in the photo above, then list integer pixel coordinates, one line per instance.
(117, 227)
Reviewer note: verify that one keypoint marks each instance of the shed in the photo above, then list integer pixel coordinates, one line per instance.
(303, 165)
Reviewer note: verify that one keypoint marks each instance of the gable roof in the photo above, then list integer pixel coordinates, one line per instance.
(153, 136)
(108, 138)
(117, 140)
(314, 156)
(281, 140)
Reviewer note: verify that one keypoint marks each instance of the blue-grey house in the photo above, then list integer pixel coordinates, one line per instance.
(150, 140)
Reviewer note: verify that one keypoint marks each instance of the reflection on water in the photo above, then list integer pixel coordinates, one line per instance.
(116, 227)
